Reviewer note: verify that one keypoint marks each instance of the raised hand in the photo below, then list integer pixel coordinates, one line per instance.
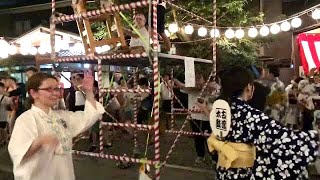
(87, 83)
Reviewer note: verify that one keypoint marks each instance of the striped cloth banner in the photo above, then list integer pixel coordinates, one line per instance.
(309, 50)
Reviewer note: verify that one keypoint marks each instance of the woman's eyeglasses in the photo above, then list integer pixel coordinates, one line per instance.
(58, 89)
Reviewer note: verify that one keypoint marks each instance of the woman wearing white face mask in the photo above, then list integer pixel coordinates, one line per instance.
(41, 141)
(257, 146)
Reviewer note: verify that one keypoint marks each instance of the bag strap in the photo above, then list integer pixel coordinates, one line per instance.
(1, 99)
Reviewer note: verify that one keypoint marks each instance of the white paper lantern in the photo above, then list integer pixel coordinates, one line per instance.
(24, 50)
(173, 28)
(45, 47)
(4, 54)
(202, 31)
(42, 50)
(264, 31)
(188, 29)
(105, 48)
(275, 28)
(33, 50)
(285, 26)
(296, 22)
(99, 50)
(252, 32)
(316, 14)
(215, 33)
(13, 50)
(239, 33)
(4, 48)
(229, 34)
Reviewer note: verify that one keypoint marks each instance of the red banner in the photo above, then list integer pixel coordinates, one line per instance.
(309, 50)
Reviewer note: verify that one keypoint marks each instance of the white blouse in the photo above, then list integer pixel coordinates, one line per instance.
(46, 163)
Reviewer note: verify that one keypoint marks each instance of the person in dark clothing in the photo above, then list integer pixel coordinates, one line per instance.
(259, 97)
(146, 102)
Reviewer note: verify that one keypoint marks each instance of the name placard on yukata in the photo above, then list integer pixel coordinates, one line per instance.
(220, 118)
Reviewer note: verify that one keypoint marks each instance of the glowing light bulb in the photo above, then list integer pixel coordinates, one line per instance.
(13, 50)
(239, 33)
(215, 33)
(33, 50)
(275, 28)
(173, 28)
(316, 14)
(252, 32)
(188, 29)
(296, 22)
(229, 34)
(264, 31)
(285, 26)
(202, 31)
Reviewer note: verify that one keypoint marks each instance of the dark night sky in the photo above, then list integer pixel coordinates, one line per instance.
(16, 3)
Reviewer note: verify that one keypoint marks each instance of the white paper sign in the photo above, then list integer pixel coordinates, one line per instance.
(220, 118)
(189, 73)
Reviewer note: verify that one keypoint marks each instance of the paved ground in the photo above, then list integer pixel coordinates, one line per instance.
(100, 169)
(180, 165)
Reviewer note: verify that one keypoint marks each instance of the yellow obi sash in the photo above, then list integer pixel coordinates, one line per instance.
(232, 155)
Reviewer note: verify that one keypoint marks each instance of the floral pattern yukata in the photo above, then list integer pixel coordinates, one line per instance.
(280, 153)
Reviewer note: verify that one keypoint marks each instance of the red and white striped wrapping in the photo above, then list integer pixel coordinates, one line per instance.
(101, 101)
(125, 90)
(309, 49)
(113, 157)
(98, 12)
(172, 120)
(156, 84)
(187, 133)
(214, 42)
(52, 31)
(135, 115)
(145, 127)
(97, 57)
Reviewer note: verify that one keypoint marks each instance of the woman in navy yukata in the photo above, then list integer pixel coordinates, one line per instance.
(280, 153)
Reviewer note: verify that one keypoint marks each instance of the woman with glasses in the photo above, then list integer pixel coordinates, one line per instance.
(40, 145)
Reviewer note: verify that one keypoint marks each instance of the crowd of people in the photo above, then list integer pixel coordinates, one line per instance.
(43, 121)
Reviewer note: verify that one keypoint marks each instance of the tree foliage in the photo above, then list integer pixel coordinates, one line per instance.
(230, 13)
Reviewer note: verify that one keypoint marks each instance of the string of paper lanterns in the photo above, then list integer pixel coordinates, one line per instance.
(252, 32)
(239, 32)
(7, 49)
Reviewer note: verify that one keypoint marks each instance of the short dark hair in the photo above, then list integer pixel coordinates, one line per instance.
(143, 81)
(95, 84)
(3, 77)
(234, 87)
(1, 85)
(80, 75)
(32, 68)
(274, 70)
(12, 78)
(35, 82)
